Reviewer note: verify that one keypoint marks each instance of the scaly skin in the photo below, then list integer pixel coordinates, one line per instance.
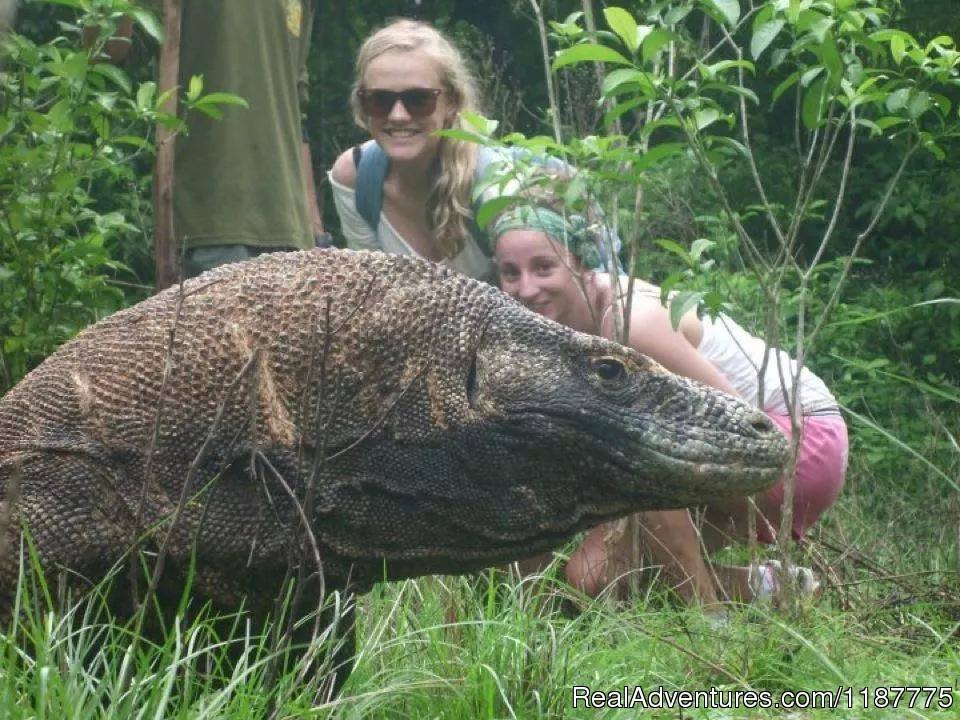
(459, 430)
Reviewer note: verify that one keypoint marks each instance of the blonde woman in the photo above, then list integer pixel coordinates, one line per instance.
(408, 191)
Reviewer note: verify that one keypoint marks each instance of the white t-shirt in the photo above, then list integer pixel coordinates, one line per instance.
(739, 356)
(470, 261)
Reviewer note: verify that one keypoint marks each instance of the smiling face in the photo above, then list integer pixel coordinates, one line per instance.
(403, 137)
(544, 276)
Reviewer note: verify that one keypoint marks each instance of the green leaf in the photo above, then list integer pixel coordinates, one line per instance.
(588, 53)
(935, 150)
(210, 110)
(919, 103)
(738, 146)
(940, 41)
(897, 100)
(675, 14)
(222, 98)
(830, 56)
(620, 108)
(793, 11)
(60, 115)
(700, 246)
(809, 75)
(491, 208)
(623, 79)
(115, 74)
(814, 104)
(711, 71)
(654, 42)
(78, 4)
(764, 35)
(137, 142)
(682, 303)
(735, 89)
(658, 153)
(787, 83)
(943, 103)
(145, 94)
(889, 34)
(483, 125)
(728, 9)
(705, 117)
(195, 87)
(676, 249)
(148, 22)
(75, 66)
(898, 49)
(623, 24)
(890, 121)
(569, 27)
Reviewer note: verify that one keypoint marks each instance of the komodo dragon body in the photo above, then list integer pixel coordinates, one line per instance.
(417, 421)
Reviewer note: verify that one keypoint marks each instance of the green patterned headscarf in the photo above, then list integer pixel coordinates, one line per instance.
(589, 243)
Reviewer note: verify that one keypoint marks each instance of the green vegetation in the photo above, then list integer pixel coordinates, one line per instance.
(704, 163)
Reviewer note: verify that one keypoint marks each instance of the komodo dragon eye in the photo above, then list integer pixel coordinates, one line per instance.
(608, 369)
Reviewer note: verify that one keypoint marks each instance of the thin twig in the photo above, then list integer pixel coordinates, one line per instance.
(551, 88)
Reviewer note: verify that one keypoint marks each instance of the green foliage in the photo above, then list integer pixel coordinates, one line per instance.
(75, 159)
(71, 130)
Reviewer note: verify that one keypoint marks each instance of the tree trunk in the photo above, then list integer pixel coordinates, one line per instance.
(165, 245)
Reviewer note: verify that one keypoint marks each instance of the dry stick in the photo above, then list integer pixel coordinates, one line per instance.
(841, 193)
(599, 67)
(805, 194)
(138, 530)
(888, 193)
(184, 497)
(706, 56)
(383, 418)
(806, 161)
(551, 89)
(745, 132)
(194, 469)
(165, 239)
(621, 326)
(317, 467)
(301, 512)
(714, 180)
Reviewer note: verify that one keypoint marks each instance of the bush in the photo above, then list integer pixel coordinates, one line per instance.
(70, 132)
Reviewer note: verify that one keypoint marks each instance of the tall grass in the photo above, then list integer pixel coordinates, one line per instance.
(492, 647)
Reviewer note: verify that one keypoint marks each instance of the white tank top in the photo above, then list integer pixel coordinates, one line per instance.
(739, 356)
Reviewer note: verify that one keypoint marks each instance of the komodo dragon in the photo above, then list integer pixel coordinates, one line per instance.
(441, 426)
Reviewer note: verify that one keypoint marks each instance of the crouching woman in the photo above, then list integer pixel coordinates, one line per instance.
(549, 260)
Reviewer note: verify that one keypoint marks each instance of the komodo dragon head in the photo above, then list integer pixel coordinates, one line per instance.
(523, 432)
(421, 421)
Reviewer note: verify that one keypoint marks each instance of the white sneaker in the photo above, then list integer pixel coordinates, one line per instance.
(765, 581)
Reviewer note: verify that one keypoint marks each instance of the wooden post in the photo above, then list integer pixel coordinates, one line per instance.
(165, 246)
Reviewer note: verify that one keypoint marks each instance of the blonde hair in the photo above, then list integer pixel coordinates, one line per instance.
(450, 204)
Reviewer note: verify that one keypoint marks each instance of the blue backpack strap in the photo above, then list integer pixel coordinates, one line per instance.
(372, 165)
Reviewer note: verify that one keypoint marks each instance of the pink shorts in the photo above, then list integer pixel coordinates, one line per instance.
(821, 467)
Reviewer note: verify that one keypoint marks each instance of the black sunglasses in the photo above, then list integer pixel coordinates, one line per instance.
(419, 102)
